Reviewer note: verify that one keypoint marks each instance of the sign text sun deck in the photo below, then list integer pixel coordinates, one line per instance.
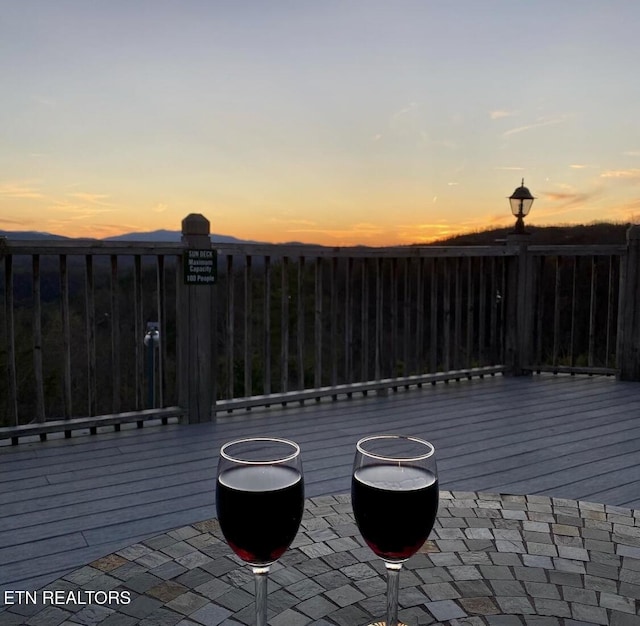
(200, 267)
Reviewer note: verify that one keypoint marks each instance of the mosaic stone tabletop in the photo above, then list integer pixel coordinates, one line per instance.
(491, 559)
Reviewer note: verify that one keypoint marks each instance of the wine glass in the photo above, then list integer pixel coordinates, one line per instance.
(394, 494)
(259, 500)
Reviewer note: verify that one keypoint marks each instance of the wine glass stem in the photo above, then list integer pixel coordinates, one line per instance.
(261, 575)
(393, 581)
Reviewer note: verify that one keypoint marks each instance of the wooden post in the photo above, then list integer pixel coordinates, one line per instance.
(518, 320)
(196, 331)
(629, 310)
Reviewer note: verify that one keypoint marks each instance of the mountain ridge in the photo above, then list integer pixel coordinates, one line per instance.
(597, 233)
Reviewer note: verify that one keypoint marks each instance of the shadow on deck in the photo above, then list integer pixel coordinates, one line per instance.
(66, 502)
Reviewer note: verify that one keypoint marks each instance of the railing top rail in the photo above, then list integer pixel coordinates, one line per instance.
(99, 247)
(311, 251)
(579, 250)
(88, 246)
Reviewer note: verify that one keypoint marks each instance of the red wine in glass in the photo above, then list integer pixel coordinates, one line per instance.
(260, 501)
(242, 494)
(380, 488)
(394, 495)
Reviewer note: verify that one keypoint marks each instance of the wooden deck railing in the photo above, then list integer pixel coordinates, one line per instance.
(289, 322)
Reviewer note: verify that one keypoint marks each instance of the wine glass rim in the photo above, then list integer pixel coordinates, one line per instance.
(382, 457)
(279, 459)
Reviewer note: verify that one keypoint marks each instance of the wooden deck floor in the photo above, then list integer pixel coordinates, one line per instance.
(64, 502)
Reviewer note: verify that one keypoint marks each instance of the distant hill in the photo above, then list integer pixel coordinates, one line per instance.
(598, 233)
(155, 235)
(172, 235)
(29, 234)
(603, 233)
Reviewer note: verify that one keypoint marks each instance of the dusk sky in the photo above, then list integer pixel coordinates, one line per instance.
(376, 122)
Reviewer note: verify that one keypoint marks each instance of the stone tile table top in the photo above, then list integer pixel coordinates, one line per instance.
(500, 560)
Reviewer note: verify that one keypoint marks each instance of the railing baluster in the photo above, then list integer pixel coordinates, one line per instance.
(317, 379)
(482, 312)
(379, 320)
(66, 337)
(364, 316)
(300, 323)
(573, 312)
(608, 342)
(162, 325)
(348, 322)
(393, 305)
(139, 331)
(434, 347)
(115, 335)
(90, 321)
(556, 313)
(446, 314)
(457, 319)
(470, 309)
(37, 340)
(501, 311)
(419, 347)
(230, 328)
(592, 312)
(495, 296)
(267, 326)
(248, 320)
(539, 278)
(11, 339)
(334, 320)
(406, 318)
(284, 325)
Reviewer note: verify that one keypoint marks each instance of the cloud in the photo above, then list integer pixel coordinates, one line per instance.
(11, 223)
(45, 101)
(91, 198)
(352, 235)
(160, 208)
(568, 198)
(292, 221)
(500, 113)
(544, 121)
(497, 219)
(513, 168)
(632, 174)
(632, 153)
(75, 229)
(80, 210)
(20, 190)
(409, 121)
(404, 111)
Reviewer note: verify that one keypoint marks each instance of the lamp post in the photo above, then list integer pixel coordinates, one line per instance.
(520, 201)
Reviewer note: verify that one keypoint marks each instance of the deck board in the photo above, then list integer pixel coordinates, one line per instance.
(65, 502)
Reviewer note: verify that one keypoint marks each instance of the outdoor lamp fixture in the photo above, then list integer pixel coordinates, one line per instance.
(152, 337)
(151, 342)
(521, 201)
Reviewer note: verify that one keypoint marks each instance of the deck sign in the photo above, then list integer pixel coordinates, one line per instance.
(200, 267)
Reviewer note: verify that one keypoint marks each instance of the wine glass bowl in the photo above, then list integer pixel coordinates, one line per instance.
(260, 502)
(394, 495)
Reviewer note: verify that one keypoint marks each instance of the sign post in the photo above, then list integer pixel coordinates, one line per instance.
(196, 339)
